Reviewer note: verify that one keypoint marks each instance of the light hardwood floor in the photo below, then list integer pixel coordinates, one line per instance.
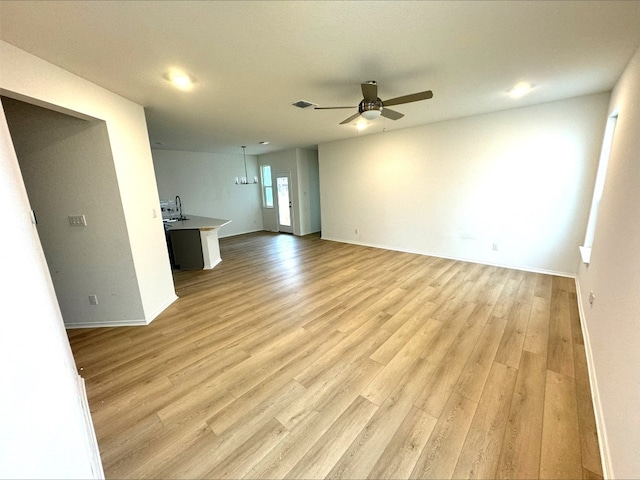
(303, 358)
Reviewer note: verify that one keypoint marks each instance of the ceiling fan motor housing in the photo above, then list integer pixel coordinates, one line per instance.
(366, 106)
(370, 110)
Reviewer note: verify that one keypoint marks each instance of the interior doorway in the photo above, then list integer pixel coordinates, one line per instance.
(285, 221)
(69, 176)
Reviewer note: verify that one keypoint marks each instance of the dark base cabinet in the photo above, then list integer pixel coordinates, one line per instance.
(186, 247)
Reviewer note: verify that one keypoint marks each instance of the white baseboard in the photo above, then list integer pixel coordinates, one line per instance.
(605, 454)
(241, 233)
(460, 259)
(213, 264)
(110, 323)
(94, 451)
(123, 323)
(164, 306)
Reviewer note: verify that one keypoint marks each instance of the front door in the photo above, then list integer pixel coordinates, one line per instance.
(285, 221)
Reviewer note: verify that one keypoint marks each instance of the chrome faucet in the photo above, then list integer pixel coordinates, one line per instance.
(179, 207)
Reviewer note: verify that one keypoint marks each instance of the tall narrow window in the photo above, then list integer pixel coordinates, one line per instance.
(267, 186)
(585, 250)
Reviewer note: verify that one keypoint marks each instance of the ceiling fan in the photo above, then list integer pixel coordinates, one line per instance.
(371, 106)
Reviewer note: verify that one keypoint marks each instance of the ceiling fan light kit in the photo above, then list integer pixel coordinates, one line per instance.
(370, 110)
(371, 107)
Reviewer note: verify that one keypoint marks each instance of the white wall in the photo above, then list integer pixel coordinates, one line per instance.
(67, 168)
(43, 433)
(207, 188)
(612, 325)
(308, 190)
(24, 76)
(520, 179)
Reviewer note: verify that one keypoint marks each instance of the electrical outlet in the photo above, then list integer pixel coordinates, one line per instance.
(592, 297)
(77, 221)
(93, 300)
(357, 231)
(494, 247)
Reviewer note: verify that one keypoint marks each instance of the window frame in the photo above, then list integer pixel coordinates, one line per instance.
(598, 189)
(266, 179)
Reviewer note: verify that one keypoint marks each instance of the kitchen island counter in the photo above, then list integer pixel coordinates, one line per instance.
(194, 222)
(188, 254)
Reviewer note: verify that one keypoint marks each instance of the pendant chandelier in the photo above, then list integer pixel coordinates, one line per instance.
(245, 180)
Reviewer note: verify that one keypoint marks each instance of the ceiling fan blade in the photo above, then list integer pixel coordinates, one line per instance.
(414, 97)
(332, 108)
(370, 91)
(391, 114)
(350, 119)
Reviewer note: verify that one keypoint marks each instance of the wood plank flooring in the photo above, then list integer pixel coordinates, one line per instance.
(303, 358)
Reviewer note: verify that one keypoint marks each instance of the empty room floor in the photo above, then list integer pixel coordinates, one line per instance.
(303, 358)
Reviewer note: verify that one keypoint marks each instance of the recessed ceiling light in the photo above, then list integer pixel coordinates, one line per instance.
(520, 89)
(180, 79)
(264, 143)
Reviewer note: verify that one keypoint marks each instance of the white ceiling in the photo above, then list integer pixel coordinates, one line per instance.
(252, 60)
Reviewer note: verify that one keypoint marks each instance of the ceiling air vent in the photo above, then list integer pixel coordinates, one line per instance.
(304, 104)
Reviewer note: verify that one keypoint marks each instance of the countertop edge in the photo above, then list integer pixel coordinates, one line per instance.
(194, 222)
